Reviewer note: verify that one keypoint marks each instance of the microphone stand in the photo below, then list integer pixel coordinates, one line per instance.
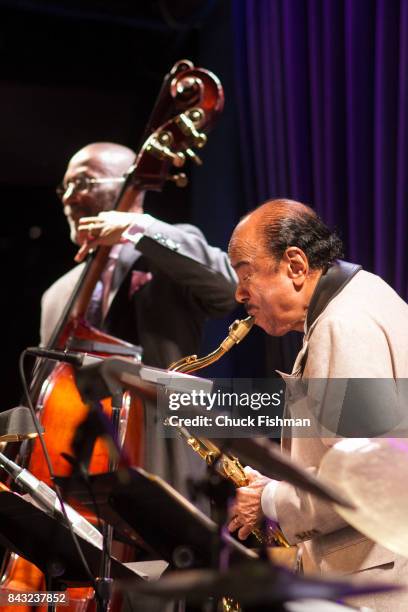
(104, 581)
(95, 384)
(219, 491)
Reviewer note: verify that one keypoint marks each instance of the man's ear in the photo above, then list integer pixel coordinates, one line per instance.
(297, 265)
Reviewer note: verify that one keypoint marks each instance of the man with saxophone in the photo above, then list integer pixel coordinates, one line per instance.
(355, 326)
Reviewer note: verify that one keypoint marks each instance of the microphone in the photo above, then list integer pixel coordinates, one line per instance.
(77, 359)
(47, 499)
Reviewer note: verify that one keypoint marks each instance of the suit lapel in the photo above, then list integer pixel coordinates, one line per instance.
(127, 257)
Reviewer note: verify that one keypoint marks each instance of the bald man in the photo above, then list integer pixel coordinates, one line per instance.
(355, 327)
(162, 283)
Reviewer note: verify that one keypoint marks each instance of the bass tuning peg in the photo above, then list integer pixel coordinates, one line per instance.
(194, 157)
(163, 152)
(179, 179)
(188, 128)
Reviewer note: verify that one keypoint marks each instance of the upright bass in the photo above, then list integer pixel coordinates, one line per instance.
(187, 106)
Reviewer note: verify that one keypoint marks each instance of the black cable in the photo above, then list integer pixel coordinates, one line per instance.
(52, 478)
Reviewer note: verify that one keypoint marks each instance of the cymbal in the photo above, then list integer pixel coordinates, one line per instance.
(248, 583)
(17, 424)
(318, 605)
(262, 455)
(373, 474)
(17, 437)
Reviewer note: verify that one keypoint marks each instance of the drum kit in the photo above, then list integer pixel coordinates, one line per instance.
(373, 474)
(365, 479)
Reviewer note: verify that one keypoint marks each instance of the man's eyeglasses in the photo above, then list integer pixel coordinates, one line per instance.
(84, 184)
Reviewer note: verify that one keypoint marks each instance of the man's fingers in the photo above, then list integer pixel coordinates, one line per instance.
(83, 252)
(251, 474)
(89, 220)
(90, 226)
(234, 524)
(244, 532)
(241, 494)
(103, 230)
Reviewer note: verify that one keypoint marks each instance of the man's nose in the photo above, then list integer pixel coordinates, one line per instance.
(241, 294)
(68, 193)
(67, 210)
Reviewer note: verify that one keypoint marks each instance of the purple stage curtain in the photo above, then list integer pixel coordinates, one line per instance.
(322, 90)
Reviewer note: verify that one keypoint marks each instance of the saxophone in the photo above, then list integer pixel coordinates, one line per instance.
(226, 465)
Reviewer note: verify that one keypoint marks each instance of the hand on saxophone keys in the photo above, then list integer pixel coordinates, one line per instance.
(246, 512)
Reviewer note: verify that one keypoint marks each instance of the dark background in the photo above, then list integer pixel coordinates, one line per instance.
(77, 72)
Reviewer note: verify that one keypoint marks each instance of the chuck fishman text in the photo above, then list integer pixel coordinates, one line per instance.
(223, 420)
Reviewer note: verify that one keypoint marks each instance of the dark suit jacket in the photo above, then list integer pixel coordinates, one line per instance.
(191, 281)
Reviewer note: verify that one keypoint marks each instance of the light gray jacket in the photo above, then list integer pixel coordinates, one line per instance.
(361, 333)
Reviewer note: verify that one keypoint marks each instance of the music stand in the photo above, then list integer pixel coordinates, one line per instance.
(110, 378)
(17, 424)
(173, 527)
(114, 375)
(46, 542)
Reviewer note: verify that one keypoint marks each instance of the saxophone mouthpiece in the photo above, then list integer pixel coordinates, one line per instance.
(237, 332)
